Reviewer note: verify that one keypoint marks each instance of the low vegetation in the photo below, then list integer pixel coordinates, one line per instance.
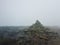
(36, 34)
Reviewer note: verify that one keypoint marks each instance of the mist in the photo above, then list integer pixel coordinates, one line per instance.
(26, 12)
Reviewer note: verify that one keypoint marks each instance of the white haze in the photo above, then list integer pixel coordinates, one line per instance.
(26, 12)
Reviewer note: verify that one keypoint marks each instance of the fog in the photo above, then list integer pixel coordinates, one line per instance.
(26, 12)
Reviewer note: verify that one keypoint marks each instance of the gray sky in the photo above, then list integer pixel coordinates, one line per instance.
(26, 12)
